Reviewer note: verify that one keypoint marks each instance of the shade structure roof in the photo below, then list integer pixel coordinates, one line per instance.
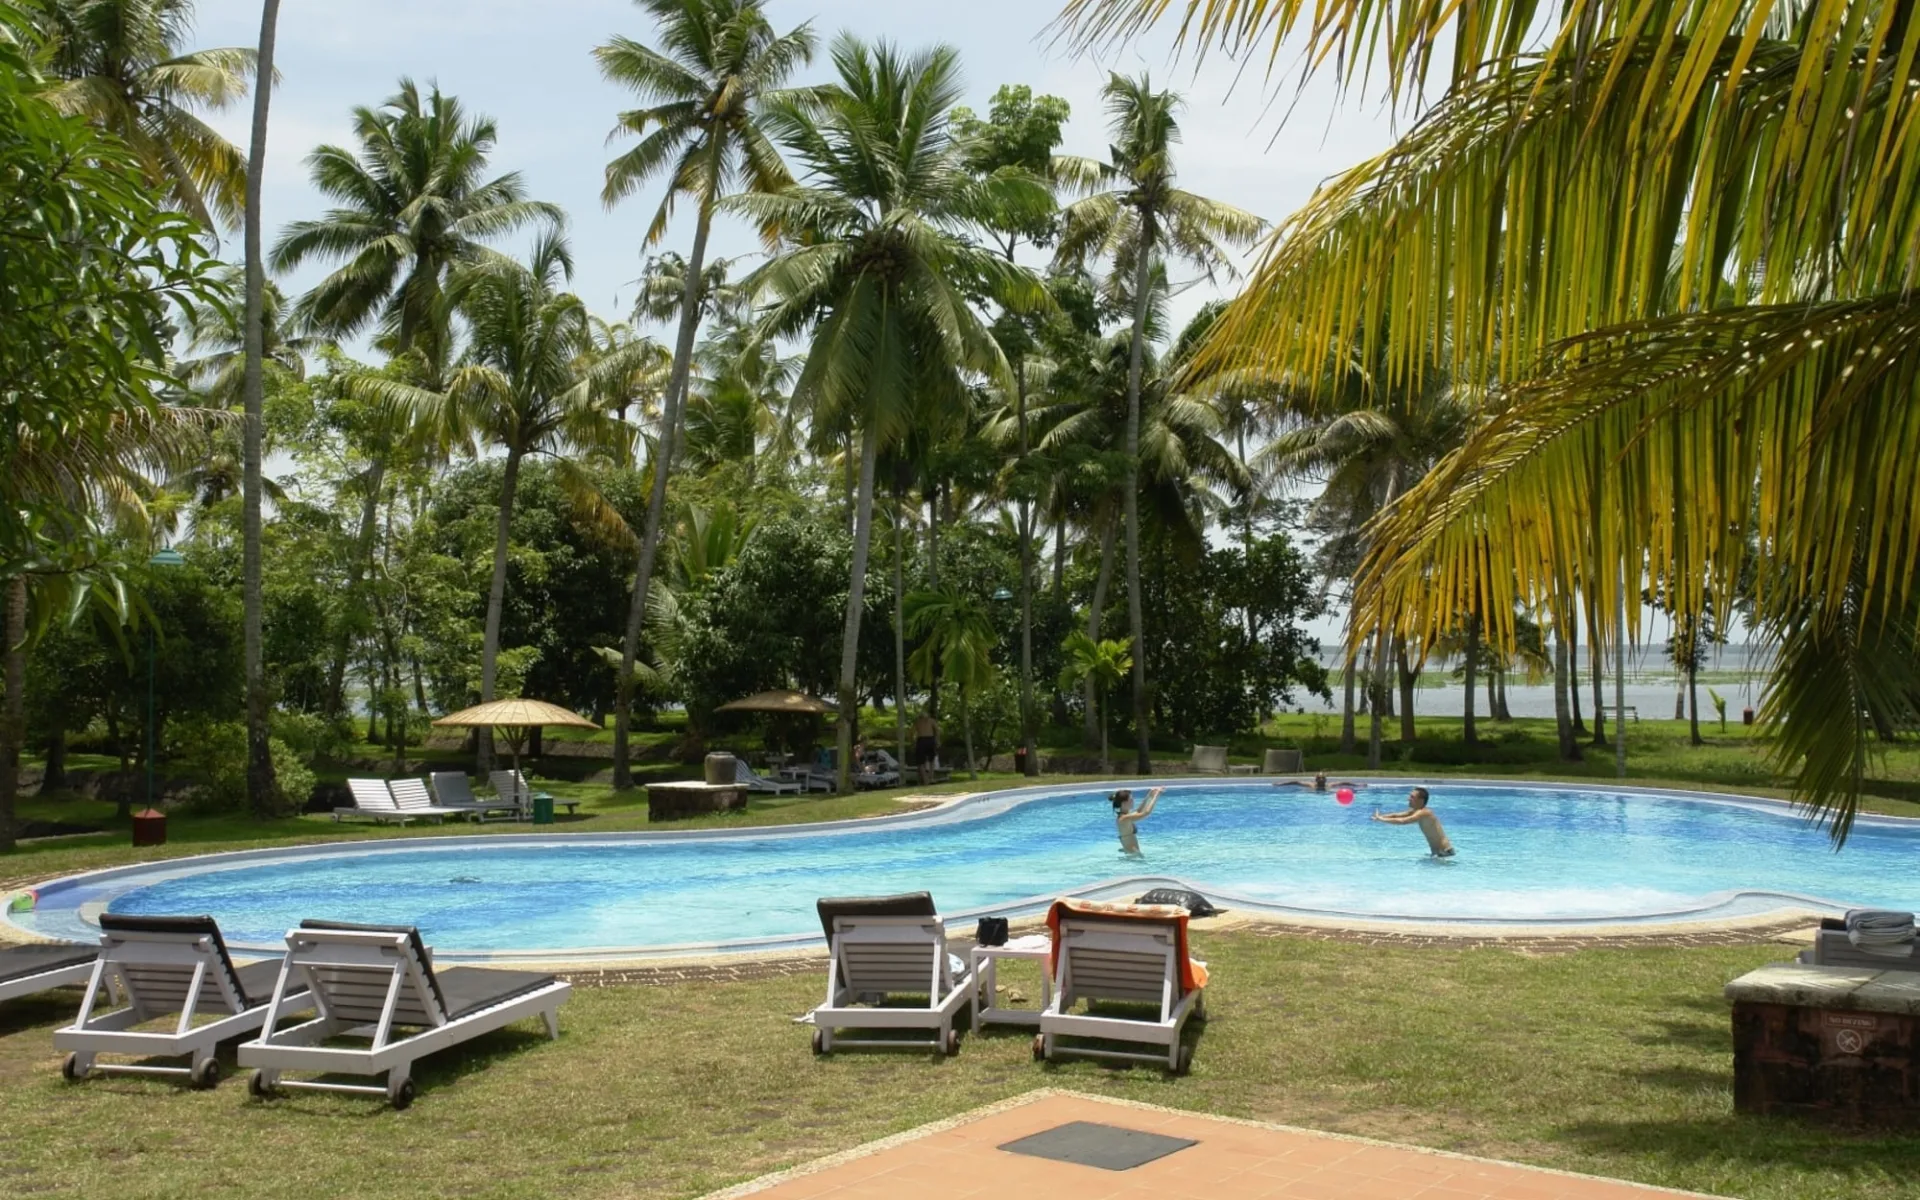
(515, 714)
(780, 702)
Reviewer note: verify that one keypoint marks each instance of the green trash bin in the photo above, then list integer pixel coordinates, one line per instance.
(542, 809)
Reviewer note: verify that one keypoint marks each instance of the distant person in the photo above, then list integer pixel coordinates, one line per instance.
(1126, 817)
(1320, 784)
(926, 745)
(1419, 814)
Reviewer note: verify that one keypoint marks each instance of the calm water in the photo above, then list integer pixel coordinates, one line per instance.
(1525, 854)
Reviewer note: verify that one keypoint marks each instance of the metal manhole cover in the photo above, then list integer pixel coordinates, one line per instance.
(1090, 1144)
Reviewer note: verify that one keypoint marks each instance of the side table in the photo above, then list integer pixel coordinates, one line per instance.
(1035, 947)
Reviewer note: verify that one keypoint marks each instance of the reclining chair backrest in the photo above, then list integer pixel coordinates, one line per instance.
(452, 787)
(156, 958)
(372, 795)
(1210, 758)
(1118, 960)
(887, 943)
(410, 795)
(351, 970)
(511, 786)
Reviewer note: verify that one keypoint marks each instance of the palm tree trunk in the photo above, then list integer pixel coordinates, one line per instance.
(1594, 672)
(1407, 680)
(362, 559)
(1101, 581)
(1136, 359)
(856, 602)
(1347, 739)
(1573, 677)
(1473, 654)
(1693, 701)
(262, 791)
(1025, 524)
(966, 732)
(497, 597)
(13, 710)
(1562, 711)
(666, 444)
(899, 634)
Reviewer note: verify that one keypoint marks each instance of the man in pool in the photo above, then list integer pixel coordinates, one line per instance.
(1126, 817)
(1419, 814)
(1319, 784)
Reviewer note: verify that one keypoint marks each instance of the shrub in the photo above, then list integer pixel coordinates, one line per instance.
(214, 755)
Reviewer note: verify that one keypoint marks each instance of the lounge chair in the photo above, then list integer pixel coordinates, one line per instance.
(1125, 952)
(512, 787)
(452, 790)
(877, 770)
(168, 966)
(410, 797)
(382, 976)
(25, 970)
(754, 781)
(372, 799)
(1211, 760)
(888, 946)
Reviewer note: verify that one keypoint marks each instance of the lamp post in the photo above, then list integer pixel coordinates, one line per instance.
(166, 557)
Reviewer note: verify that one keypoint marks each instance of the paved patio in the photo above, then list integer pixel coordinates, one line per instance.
(1227, 1160)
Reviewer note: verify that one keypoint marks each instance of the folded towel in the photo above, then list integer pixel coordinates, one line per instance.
(1876, 931)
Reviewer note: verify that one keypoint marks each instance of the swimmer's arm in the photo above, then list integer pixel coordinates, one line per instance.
(1153, 798)
(1399, 818)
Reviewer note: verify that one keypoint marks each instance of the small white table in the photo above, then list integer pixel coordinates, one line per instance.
(1035, 947)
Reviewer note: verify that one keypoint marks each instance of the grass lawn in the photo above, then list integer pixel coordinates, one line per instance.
(1616, 1062)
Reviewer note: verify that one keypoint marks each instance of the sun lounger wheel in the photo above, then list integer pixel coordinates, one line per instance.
(206, 1076)
(1039, 1047)
(401, 1097)
(819, 1041)
(71, 1070)
(952, 1046)
(259, 1088)
(1183, 1061)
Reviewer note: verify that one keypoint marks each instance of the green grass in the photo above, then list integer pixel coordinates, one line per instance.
(1616, 1062)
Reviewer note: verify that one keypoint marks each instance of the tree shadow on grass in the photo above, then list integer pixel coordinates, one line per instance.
(1775, 1143)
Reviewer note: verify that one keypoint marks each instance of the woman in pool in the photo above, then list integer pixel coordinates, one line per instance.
(1319, 784)
(1126, 817)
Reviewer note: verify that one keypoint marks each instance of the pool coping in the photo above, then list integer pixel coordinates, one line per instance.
(1651, 927)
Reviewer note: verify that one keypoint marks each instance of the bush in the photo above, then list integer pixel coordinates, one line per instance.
(214, 754)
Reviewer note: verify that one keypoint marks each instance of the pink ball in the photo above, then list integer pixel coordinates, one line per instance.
(1344, 796)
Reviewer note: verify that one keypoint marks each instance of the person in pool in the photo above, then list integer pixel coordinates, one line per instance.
(1126, 817)
(1320, 784)
(1419, 814)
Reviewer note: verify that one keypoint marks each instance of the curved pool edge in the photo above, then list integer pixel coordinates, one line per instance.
(1713, 914)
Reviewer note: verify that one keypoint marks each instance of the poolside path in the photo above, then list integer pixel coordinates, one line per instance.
(1203, 1158)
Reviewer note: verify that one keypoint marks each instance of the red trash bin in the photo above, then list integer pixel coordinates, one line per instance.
(150, 828)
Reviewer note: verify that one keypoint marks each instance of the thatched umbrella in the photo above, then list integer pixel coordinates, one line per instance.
(783, 704)
(513, 718)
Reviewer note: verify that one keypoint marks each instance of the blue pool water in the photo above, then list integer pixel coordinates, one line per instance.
(1525, 855)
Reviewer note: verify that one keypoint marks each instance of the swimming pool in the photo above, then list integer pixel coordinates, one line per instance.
(1529, 856)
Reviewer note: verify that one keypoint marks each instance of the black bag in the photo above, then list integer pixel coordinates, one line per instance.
(992, 931)
(1193, 902)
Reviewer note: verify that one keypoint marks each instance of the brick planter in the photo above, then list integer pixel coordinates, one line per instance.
(1840, 1044)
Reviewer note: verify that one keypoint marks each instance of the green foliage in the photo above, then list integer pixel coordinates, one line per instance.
(214, 755)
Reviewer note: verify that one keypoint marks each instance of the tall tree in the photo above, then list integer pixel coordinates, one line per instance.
(1135, 216)
(719, 60)
(1020, 133)
(957, 632)
(875, 265)
(1709, 347)
(414, 203)
(262, 792)
(120, 64)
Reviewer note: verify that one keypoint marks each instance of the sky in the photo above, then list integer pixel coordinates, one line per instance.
(529, 66)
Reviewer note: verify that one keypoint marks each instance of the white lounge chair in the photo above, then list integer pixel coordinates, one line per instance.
(167, 966)
(1209, 759)
(512, 786)
(756, 782)
(452, 790)
(372, 799)
(888, 946)
(25, 970)
(410, 797)
(1125, 952)
(382, 976)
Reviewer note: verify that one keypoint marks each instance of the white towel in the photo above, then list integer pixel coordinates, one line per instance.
(1875, 931)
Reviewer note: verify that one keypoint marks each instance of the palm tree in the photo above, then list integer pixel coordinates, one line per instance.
(1099, 665)
(414, 204)
(120, 65)
(1706, 347)
(262, 791)
(876, 267)
(1137, 218)
(719, 59)
(958, 634)
(526, 386)
(217, 337)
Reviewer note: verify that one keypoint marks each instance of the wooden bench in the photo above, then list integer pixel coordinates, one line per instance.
(1614, 711)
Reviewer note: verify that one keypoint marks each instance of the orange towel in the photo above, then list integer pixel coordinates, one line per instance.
(1193, 975)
